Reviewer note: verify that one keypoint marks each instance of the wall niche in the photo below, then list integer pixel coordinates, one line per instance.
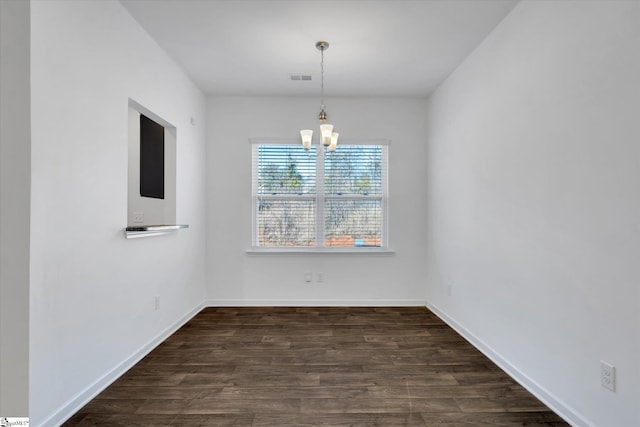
(152, 172)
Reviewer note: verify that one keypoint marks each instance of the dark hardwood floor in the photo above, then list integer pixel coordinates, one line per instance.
(278, 366)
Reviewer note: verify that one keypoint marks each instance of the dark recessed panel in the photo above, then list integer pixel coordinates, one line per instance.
(151, 158)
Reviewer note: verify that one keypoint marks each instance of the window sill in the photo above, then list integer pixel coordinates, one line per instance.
(321, 251)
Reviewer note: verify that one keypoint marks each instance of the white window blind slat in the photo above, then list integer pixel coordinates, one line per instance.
(355, 169)
(285, 169)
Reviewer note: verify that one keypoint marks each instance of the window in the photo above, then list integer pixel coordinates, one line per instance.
(315, 199)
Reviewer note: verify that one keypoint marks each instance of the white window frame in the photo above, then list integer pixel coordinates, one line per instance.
(320, 198)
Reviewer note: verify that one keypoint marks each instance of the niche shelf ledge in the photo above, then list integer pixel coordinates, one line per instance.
(133, 232)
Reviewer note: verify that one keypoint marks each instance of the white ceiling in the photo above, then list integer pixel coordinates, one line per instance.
(377, 48)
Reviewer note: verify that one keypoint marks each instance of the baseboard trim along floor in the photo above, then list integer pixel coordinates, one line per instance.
(315, 303)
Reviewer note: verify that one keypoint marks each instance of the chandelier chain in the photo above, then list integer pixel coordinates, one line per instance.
(322, 79)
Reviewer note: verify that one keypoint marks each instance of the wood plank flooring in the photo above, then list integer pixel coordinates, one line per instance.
(338, 366)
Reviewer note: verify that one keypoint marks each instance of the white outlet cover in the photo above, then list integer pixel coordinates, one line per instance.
(607, 376)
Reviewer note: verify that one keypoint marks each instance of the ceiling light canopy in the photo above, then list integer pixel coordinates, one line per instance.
(328, 137)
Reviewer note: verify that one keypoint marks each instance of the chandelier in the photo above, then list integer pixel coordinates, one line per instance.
(328, 137)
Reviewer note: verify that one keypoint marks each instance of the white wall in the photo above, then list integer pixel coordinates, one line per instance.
(92, 291)
(534, 204)
(241, 279)
(15, 191)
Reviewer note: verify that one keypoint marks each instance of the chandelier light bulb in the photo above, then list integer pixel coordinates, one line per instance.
(334, 142)
(326, 130)
(306, 136)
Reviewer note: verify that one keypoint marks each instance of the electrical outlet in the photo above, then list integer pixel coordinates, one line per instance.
(138, 217)
(157, 303)
(607, 376)
(308, 277)
(319, 277)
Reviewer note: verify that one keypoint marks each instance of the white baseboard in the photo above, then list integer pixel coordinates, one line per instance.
(315, 303)
(67, 410)
(545, 396)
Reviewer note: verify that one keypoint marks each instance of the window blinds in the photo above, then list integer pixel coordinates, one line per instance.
(313, 198)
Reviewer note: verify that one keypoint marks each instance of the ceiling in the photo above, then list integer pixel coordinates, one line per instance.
(400, 48)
